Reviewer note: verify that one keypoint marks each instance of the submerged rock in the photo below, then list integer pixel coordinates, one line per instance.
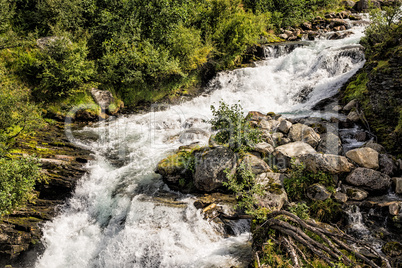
(370, 180)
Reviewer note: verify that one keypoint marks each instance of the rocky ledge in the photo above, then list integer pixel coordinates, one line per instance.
(63, 164)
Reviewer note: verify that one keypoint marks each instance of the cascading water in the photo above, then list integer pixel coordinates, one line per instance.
(114, 219)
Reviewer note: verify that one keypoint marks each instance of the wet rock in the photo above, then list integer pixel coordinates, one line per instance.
(370, 180)
(398, 185)
(340, 197)
(394, 208)
(364, 157)
(330, 144)
(256, 164)
(264, 148)
(353, 117)
(275, 196)
(361, 136)
(318, 192)
(103, 98)
(354, 193)
(174, 168)
(387, 165)
(352, 104)
(375, 146)
(364, 5)
(257, 116)
(300, 132)
(328, 163)
(211, 166)
(284, 126)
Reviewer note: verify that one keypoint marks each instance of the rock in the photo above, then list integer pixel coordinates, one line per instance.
(370, 180)
(352, 104)
(277, 137)
(284, 126)
(349, 4)
(355, 17)
(267, 137)
(256, 116)
(340, 197)
(264, 148)
(307, 26)
(328, 163)
(394, 208)
(102, 97)
(283, 36)
(398, 185)
(256, 164)
(318, 192)
(295, 149)
(300, 132)
(364, 5)
(269, 125)
(392, 249)
(364, 157)
(210, 168)
(353, 117)
(330, 144)
(387, 165)
(173, 168)
(275, 196)
(354, 193)
(361, 136)
(375, 146)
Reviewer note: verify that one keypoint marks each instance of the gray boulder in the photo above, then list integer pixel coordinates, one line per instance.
(318, 192)
(387, 165)
(210, 168)
(370, 180)
(330, 144)
(275, 196)
(328, 163)
(102, 97)
(256, 164)
(300, 132)
(270, 125)
(340, 197)
(375, 146)
(364, 157)
(352, 104)
(284, 126)
(295, 149)
(353, 117)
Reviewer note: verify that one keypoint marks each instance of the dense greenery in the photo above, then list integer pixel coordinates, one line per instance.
(233, 129)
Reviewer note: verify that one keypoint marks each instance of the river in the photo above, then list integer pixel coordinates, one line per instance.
(113, 218)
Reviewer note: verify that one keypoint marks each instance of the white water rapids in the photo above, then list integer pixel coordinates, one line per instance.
(113, 219)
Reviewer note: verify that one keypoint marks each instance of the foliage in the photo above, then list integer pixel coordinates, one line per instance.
(243, 184)
(382, 28)
(326, 211)
(57, 70)
(300, 178)
(301, 210)
(232, 127)
(18, 178)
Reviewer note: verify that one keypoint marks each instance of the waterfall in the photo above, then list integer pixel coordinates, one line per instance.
(114, 218)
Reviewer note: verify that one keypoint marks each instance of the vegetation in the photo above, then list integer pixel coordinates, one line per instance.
(233, 129)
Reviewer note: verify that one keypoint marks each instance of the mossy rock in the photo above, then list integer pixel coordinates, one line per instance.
(392, 249)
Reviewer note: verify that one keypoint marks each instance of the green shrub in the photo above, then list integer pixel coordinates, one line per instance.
(18, 178)
(232, 127)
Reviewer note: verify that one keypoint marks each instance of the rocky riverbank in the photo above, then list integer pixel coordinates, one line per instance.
(63, 163)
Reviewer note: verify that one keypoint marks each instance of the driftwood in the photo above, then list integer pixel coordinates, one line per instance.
(295, 235)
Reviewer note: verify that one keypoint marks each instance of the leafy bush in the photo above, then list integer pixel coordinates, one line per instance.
(243, 184)
(232, 127)
(18, 178)
(58, 69)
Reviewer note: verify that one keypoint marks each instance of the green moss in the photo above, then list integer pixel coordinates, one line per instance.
(357, 88)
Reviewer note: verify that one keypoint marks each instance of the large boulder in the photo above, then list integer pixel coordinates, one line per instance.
(300, 132)
(328, 163)
(284, 126)
(330, 144)
(173, 168)
(364, 5)
(269, 125)
(364, 157)
(318, 192)
(256, 164)
(264, 148)
(375, 146)
(370, 180)
(387, 165)
(211, 166)
(275, 195)
(284, 153)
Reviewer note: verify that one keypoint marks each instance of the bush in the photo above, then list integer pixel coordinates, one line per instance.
(18, 178)
(232, 127)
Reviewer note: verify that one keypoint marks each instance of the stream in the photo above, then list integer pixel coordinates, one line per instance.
(114, 218)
